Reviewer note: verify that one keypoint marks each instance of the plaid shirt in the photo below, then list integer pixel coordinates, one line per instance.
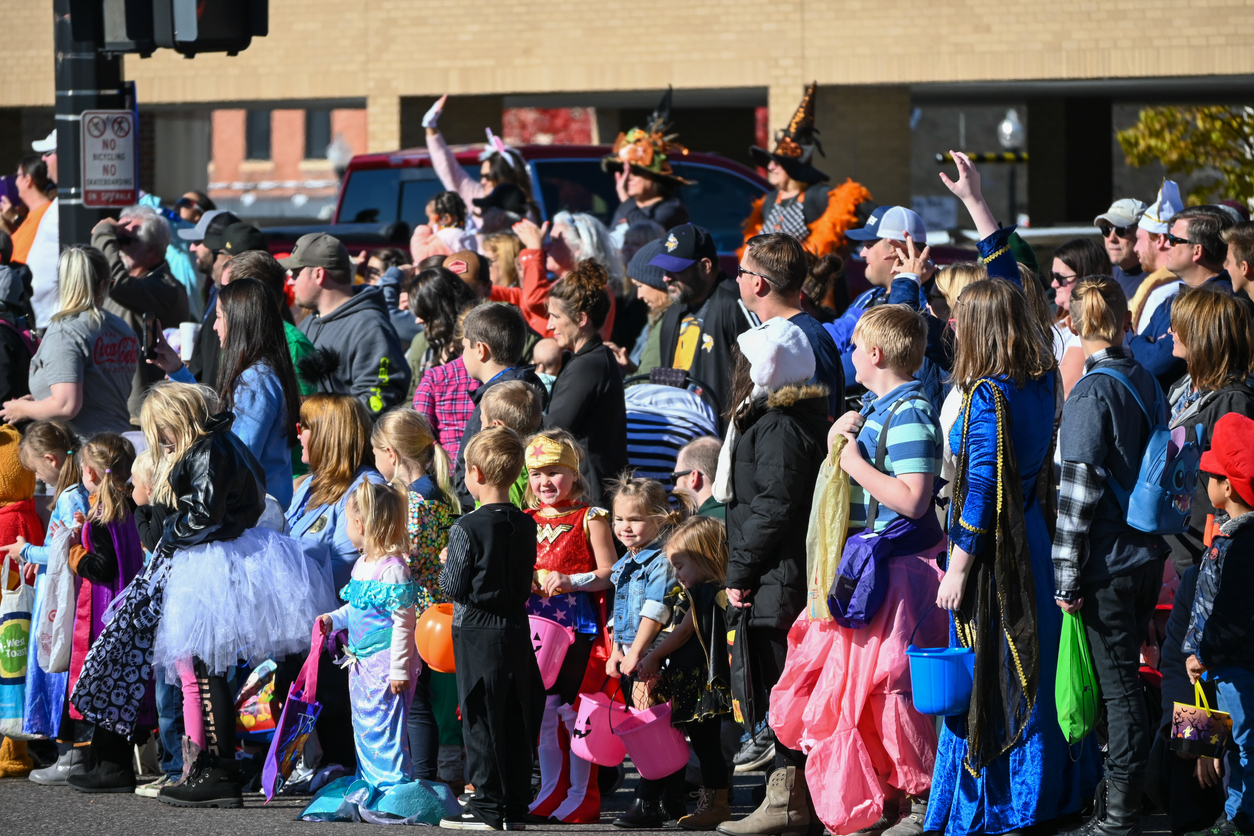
(443, 396)
(1080, 487)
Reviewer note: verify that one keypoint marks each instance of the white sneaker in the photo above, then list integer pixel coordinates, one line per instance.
(153, 788)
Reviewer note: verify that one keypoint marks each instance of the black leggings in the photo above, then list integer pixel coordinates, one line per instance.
(218, 705)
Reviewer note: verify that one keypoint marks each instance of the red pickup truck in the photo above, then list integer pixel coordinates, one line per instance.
(383, 196)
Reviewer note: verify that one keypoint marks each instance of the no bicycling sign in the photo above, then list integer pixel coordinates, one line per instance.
(109, 176)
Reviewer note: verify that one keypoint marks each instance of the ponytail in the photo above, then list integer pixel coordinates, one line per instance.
(56, 438)
(112, 455)
(1099, 309)
(383, 509)
(441, 470)
(651, 496)
(409, 435)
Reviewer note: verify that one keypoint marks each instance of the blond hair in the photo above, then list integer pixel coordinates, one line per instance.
(513, 403)
(1215, 329)
(703, 542)
(410, 437)
(998, 336)
(899, 332)
(504, 248)
(579, 489)
(83, 280)
(339, 438)
(1099, 308)
(650, 497)
(383, 509)
(110, 455)
(144, 468)
(180, 412)
(55, 438)
(952, 279)
(498, 453)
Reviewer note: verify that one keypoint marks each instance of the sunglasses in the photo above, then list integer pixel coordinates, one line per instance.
(676, 475)
(1175, 242)
(1062, 280)
(1121, 231)
(742, 272)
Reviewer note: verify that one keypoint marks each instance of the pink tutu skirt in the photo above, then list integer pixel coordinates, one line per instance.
(845, 700)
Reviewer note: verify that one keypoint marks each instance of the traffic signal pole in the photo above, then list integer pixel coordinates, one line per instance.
(86, 79)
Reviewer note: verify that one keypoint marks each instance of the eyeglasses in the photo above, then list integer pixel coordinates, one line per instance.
(1062, 280)
(676, 475)
(1121, 231)
(742, 271)
(1175, 242)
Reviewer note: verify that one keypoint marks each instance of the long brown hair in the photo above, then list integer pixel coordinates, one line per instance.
(1215, 329)
(56, 438)
(255, 336)
(339, 438)
(998, 336)
(110, 455)
(703, 541)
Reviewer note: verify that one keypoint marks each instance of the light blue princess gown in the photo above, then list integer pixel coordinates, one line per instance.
(379, 617)
(45, 692)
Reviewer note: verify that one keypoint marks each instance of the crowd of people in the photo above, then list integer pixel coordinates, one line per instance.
(253, 460)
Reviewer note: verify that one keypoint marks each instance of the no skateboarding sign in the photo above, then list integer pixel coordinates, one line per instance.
(109, 177)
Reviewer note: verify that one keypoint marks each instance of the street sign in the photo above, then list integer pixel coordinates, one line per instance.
(109, 175)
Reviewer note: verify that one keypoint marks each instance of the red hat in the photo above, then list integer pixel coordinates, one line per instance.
(1231, 454)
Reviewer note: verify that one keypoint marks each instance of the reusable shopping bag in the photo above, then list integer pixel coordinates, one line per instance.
(825, 538)
(54, 630)
(1198, 729)
(296, 723)
(1075, 690)
(15, 605)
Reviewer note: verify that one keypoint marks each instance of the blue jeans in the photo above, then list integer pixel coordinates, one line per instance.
(424, 734)
(1236, 696)
(170, 726)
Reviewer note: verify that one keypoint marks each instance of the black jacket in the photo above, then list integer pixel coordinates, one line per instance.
(724, 320)
(527, 374)
(220, 489)
(1221, 622)
(775, 462)
(588, 401)
(669, 212)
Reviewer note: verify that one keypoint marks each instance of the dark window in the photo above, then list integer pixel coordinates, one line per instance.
(257, 135)
(577, 186)
(384, 195)
(317, 134)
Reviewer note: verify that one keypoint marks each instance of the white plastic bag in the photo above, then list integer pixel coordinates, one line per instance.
(15, 607)
(54, 631)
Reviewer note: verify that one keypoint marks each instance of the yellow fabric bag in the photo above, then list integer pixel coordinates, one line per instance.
(829, 525)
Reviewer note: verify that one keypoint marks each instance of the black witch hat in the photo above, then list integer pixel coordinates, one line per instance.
(796, 144)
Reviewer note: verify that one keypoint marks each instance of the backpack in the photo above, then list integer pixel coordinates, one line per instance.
(28, 337)
(1161, 501)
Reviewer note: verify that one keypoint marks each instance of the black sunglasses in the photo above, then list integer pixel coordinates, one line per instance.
(1121, 231)
(676, 475)
(1175, 242)
(742, 271)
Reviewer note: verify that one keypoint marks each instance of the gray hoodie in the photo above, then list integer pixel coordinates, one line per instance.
(371, 362)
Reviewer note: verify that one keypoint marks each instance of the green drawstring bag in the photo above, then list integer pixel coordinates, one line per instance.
(1078, 698)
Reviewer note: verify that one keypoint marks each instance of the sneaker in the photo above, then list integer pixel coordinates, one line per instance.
(912, 823)
(1223, 827)
(469, 820)
(153, 788)
(756, 753)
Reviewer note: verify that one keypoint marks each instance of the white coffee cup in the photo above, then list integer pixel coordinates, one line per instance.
(188, 331)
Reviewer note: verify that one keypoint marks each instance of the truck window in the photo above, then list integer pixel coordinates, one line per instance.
(576, 186)
(720, 201)
(384, 195)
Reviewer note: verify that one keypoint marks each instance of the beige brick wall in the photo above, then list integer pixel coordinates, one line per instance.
(381, 50)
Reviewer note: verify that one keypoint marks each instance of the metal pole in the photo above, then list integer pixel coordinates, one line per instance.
(86, 79)
(1013, 197)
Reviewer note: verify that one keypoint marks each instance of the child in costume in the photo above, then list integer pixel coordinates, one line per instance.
(1221, 621)
(491, 555)
(382, 661)
(697, 675)
(574, 558)
(642, 581)
(407, 455)
(47, 449)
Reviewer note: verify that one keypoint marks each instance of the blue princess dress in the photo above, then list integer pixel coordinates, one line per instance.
(379, 617)
(1039, 778)
(45, 692)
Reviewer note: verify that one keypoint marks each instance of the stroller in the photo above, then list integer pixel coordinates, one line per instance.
(666, 409)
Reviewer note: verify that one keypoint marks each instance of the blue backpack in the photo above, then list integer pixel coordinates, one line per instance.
(1162, 498)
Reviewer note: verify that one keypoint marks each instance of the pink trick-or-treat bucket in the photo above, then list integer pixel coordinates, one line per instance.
(592, 738)
(656, 747)
(550, 641)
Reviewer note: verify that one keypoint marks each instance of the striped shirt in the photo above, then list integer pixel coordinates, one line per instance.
(914, 446)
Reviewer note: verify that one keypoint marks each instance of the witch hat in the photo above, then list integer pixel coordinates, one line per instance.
(796, 144)
(647, 150)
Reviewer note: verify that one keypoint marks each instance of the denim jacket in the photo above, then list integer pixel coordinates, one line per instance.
(641, 582)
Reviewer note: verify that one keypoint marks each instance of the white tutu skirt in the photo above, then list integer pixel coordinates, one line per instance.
(249, 598)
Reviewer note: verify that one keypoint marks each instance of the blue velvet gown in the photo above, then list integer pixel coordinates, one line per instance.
(1039, 778)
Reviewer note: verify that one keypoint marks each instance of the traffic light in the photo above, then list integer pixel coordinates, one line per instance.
(193, 26)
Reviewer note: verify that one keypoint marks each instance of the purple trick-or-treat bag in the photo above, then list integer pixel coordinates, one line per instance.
(300, 712)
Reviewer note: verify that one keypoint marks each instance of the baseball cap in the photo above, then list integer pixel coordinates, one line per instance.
(47, 144)
(897, 221)
(1231, 454)
(506, 196)
(640, 270)
(318, 249)
(241, 238)
(220, 220)
(1158, 215)
(1125, 212)
(870, 230)
(685, 246)
(466, 265)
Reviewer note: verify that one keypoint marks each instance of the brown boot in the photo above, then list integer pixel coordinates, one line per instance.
(784, 812)
(712, 810)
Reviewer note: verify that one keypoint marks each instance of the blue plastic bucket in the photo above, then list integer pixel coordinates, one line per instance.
(941, 679)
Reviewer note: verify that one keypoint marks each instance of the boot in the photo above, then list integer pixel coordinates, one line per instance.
(57, 774)
(209, 783)
(1118, 813)
(712, 810)
(786, 809)
(642, 814)
(887, 821)
(912, 823)
(190, 754)
(112, 765)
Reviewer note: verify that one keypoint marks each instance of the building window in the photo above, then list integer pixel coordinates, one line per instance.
(257, 135)
(317, 134)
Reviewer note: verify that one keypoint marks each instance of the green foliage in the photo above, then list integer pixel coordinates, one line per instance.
(1191, 139)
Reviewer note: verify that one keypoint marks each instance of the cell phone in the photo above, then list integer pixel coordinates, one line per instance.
(150, 326)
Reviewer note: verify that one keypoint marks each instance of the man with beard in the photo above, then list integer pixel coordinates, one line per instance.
(135, 246)
(701, 326)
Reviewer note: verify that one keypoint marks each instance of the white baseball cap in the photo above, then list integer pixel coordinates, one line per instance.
(898, 221)
(47, 144)
(1125, 212)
